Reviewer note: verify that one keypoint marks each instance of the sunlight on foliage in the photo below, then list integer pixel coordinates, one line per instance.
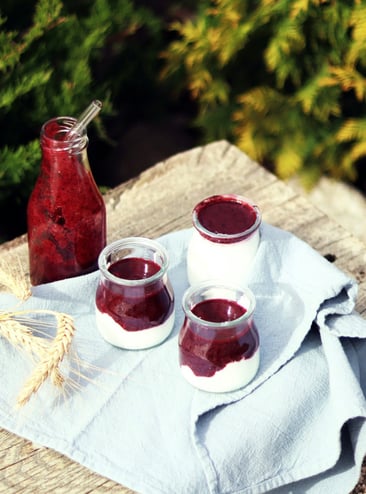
(289, 77)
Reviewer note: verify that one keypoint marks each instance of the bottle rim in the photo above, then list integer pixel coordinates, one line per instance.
(53, 135)
(104, 260)
(226, 237)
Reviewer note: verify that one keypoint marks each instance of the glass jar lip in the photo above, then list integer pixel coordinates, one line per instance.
(217, 326)
(130, 242)
(64, 124)
(226, 237)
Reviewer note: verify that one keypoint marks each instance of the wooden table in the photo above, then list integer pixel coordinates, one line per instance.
(158, 201)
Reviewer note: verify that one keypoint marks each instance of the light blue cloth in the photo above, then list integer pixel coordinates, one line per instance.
(298, 427)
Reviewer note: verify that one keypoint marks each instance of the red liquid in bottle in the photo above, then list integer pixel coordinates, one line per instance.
(66, 212)
(135, 307)
(207, 350)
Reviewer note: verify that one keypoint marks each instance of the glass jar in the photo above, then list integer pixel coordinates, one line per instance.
(218, 341)
(66, 215)
(134, 297)
(225, 239)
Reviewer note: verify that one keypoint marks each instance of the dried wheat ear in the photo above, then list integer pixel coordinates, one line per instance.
(18, 328)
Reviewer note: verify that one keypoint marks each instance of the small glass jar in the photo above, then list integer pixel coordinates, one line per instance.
(218, 341)
(134, 298)
(225, 239)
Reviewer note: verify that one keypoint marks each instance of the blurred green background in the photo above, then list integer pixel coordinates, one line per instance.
(284, 80)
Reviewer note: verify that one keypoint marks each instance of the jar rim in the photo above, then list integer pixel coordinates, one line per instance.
(246, 293)
(226, 237)
(133, 242)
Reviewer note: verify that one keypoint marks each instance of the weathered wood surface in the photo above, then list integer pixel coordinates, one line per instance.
(159, 201)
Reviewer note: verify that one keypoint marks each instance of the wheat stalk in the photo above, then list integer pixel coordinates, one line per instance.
(13, 277)
(21, 336)
(49, 364)
(20, 329)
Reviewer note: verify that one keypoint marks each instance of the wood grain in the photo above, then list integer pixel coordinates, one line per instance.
(158, 201)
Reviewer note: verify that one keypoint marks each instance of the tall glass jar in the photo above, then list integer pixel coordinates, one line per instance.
(218, 341)
(225, 239)
(66, 213)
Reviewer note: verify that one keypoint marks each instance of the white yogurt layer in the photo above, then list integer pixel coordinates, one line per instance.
(229, 263)
(115, 334)
(233, 376)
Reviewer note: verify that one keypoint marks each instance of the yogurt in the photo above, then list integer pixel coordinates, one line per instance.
(225, 239)
(218, 341)
(233, 376)
(116, 335)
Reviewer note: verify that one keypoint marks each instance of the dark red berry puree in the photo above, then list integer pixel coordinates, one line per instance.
(66, 216)
(135, 307)
(207, 350)
(226, 215)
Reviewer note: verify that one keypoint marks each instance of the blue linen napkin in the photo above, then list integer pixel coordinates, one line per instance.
(298, 427)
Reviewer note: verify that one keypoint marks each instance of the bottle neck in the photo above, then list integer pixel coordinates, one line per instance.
(61, 149)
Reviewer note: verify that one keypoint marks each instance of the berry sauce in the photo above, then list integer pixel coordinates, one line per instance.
(135, 307)
(226, 216)
(207, 350)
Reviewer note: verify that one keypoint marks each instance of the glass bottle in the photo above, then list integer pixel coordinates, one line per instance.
(218, 341)
(134, 298)
(66, 215)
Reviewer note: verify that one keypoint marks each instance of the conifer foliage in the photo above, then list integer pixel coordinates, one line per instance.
(285, 80)
(53, 62)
